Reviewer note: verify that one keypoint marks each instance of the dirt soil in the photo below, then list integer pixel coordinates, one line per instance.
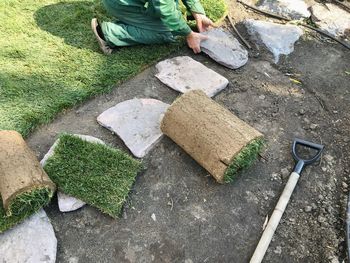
(178, 213)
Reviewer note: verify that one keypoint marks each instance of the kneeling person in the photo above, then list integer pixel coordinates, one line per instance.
(149, 22)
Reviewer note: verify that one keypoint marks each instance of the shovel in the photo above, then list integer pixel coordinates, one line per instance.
(285, 196)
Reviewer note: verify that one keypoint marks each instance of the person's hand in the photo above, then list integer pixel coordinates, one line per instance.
(203, 22)
(194, 41)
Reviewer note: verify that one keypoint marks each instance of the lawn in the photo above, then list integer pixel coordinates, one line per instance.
(50, 61)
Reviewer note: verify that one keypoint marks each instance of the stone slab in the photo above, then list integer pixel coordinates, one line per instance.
(279, 39)
(334, 20)
(136, 122)
(222, 47)
(32, 241)
(294, 9)
(67, 203)
(184, 74)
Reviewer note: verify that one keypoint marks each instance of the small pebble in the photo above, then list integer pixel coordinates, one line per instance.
(301, 111)
(262, 97)
(328, 158)
(321, 219)
(313, 126)
(308, 208)
(154, 217)
(284, 173)
(278, 250)
(345, 185)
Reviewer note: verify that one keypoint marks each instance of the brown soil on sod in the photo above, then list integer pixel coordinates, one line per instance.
(20, 170)
(207, 131)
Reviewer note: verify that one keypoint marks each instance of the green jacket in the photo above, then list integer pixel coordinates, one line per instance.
(167, 10)
(171, 15)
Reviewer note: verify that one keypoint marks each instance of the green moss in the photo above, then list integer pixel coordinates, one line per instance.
(23, 206)
(216, 10)
(50, 61)
(244, 159)
(97, 174)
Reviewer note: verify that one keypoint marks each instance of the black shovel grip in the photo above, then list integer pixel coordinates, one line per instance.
(300, 161)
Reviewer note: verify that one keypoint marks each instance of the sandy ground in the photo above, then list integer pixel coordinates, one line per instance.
(198, 220)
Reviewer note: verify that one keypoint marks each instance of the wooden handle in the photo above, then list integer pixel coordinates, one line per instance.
(270, 229)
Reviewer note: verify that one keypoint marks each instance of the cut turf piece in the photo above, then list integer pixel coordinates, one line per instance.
(244, 159)
(97, 174)
(68, 203)
(23, 206)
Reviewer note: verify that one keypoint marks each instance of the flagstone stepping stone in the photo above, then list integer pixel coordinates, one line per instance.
(222, 47)
(32, 241)
(294, 9)
(67, 203)
(279, 39)
(184, 74)
(334, 20)
(136, 122)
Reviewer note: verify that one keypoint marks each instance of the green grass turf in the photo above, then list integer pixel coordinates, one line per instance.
(244, 159)
(50, 60)
(97, 174)
(23, 206)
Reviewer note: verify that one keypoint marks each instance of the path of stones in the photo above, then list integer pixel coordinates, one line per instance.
(136, 122)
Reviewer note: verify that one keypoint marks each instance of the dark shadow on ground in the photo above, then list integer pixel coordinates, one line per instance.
(71, 21)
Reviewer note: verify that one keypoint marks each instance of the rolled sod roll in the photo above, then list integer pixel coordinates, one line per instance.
(218, 140)
(24, 185)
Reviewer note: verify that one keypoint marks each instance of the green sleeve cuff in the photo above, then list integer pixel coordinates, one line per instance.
(195, 6)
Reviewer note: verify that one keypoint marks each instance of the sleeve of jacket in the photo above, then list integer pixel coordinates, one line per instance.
(194, 6)
(171, 16)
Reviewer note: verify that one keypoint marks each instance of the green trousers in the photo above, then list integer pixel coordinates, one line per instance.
(135, 25)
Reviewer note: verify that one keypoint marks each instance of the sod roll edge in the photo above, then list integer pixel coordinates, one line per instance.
(24, 185)
(213, 136)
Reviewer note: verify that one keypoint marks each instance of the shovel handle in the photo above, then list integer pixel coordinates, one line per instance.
(270, 229)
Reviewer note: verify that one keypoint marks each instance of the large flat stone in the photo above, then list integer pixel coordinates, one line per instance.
(136, 122)
(67, 203)
(294, 9)
(32, 241)
(279, 39)
(332, 19)
(222, 47)
(184, 74)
